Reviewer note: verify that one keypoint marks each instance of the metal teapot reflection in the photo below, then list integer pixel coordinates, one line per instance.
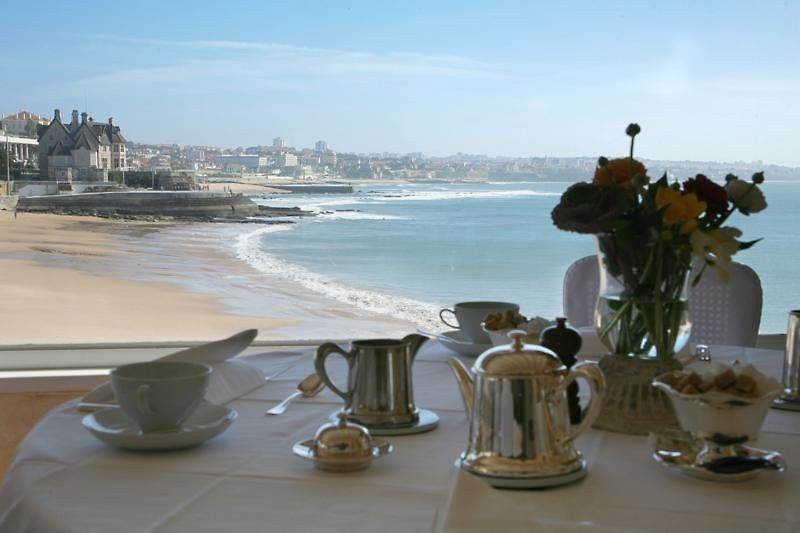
(519, 416)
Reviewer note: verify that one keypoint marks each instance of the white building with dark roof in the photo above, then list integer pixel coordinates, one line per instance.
(82, 150)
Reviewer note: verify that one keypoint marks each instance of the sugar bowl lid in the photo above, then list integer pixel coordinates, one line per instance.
(518, 358)
(342, 442)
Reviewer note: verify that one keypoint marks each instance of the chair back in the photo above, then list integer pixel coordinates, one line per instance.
(726, 313)
(581, 287)
(721, 313)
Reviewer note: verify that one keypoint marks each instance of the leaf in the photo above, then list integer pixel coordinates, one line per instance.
(744, 245)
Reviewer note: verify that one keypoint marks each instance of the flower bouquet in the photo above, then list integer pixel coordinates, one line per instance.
(650, 234)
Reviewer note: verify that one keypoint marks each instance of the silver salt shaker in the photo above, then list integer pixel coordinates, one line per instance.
(790, 399)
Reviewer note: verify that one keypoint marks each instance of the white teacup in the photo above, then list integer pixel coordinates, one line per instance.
(160, 395)
(470, 316)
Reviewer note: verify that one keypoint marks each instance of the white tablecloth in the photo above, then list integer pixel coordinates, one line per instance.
(247, 479)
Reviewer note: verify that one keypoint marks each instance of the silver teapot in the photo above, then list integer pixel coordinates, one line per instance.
(519, 416)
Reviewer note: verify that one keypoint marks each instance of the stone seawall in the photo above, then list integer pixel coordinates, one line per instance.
(144, 203)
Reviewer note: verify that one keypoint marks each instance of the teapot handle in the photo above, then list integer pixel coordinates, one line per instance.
(590, 372)
(319, 365)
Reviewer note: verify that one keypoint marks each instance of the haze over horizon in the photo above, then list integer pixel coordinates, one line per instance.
(711, 82)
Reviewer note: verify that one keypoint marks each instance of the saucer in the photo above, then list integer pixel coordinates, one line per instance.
(457, 340)
(786, 404)
(677, 450)
(427, 421)
(113, 426)
(305, 449)
(541, 482)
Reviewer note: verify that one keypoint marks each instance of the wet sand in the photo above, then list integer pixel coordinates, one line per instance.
(83, 279)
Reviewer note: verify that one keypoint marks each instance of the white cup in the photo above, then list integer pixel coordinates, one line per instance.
(160, 395)
(470, 315)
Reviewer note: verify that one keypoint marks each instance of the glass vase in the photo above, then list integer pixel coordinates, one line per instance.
(642, 317)
(643, 309)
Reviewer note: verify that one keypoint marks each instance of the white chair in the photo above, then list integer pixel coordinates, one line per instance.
(721, 313)
(581, 287)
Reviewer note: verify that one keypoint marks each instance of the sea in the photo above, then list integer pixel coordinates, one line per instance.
(407, 250)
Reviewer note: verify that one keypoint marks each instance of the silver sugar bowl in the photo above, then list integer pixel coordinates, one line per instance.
(342, 447)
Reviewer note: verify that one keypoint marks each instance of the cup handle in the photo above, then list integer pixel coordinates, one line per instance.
(441, 317)
(319, 364)
(590, 372)
(143, 400)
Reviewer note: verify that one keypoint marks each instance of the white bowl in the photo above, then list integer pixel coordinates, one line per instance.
(534, 327)
(722, 416)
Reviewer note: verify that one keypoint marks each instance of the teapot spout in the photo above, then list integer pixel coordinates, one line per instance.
(414, 343)
(464, 380)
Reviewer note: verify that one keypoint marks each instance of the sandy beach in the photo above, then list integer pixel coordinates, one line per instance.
(84, 279)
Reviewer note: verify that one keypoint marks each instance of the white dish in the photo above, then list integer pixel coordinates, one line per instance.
(458, 341)
(677, 450)
(533, 327)
(113, 426)
(723, 414)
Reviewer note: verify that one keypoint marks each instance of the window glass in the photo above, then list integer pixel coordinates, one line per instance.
(328, 171)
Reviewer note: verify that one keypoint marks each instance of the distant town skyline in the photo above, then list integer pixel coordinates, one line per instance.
(708, 81)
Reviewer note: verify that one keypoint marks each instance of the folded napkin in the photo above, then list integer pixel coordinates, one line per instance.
(228, 381)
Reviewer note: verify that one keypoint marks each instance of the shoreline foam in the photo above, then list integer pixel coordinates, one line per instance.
(249, 248)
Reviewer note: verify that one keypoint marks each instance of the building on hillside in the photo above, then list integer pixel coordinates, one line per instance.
(160, 163)
(236, 164)
(83, 150)
(309, 157)
(287, 159)
(279, 143)
(23, 123)
(328, 158)
(321, 146)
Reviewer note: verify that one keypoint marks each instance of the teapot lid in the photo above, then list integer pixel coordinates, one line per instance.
(518, 358)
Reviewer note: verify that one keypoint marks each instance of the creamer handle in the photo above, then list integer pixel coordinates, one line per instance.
(319, 365)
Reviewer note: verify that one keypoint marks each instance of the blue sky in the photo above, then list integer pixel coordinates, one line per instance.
(706, 80)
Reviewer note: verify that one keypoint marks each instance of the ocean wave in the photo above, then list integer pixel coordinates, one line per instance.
(462, 195)
(319, 205)
(249, 248)
(357, 215)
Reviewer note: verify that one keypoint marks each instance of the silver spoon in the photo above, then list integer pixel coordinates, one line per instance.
(310, 386)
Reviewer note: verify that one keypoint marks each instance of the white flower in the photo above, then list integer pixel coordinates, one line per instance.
(747, 196)
(716, 247)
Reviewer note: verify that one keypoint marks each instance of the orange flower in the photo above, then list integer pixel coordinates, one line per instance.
(680, 208)
(618, 172)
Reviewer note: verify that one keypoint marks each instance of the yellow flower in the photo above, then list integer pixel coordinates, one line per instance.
(716, 246)
(618, 172)
(680, 208)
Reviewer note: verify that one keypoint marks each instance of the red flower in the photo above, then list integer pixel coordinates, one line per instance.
(715, 196)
